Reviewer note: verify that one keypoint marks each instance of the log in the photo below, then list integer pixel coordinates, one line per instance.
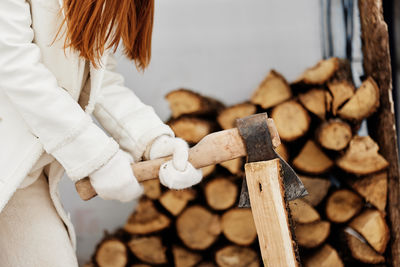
(341, 92)
(361, 251)
(148, 249)
(227, 117)
(311, 235)
(373, 188)
(314, 101)
(291, 119)
(334, 134)
(198, 228)
(234, 166)
(273, 90)
(220, 193)
(183, 102)
(184, 257)
(234, 256)
(175, 201)
(343, 205)
(363, 103)
(152, 189)
(146, 219)
(191, 129)
(377, 64)
(326, 256)
(362, 157)
(372, 226)
(238, 226)
(302, 212)
(317, 189)
(283, 152)
(111, 253)
(270, 215)
(312, 159)
(320, 73)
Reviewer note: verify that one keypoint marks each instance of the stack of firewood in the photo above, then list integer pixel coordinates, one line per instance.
(341, 221)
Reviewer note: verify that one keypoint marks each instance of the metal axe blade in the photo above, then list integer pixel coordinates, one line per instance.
(254, 132)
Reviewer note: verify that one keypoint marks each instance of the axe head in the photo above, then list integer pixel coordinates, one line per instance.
(255, 134)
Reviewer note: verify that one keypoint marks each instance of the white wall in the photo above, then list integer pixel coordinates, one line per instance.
(221, 48)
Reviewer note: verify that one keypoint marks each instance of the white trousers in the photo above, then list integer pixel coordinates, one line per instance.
(32, 234)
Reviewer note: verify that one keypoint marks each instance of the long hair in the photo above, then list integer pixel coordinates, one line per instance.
(92, 26)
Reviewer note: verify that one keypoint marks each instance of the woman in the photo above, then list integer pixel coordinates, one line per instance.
(56, 70)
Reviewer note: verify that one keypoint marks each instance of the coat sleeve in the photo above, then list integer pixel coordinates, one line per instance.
(51, 114)
(133, 124)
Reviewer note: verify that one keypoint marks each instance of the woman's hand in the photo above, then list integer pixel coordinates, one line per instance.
(177, 173)
(115, 180)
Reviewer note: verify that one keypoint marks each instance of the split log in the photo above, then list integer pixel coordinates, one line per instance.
(198, 228)
(372, 226)
(227, 118)
(320, 73)
(317, 189)
(149, 249)
(283, 152)
(146, 219)
(291, 119)
(364, 102)
(183, 101)
(111, 253)
(326, 256)
(152, 188)
(302, 212)
(334, 134)
(312, 159)
(234, 166)
(361, 251)
(362, 157)
(269, 208)
(191, 129)
(311, 235)
(238, 226)
(373, 188)
(272, 91)
(208, 170)
(220, 193)
(341, 92)
(175, 201)
(184, 257)
(314, 101)
(234, 256)
(343, 205)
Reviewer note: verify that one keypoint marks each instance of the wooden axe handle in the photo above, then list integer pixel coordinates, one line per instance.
(212, 149)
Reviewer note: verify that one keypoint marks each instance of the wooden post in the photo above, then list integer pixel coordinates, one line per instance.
(270, 215)
(382, 125)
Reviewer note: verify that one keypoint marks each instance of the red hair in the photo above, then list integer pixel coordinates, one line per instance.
(92, 26)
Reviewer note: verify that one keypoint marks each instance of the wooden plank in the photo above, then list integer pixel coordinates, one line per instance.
(382, 126)
(270, 215)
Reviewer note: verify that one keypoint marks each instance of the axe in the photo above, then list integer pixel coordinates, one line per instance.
(269, 184)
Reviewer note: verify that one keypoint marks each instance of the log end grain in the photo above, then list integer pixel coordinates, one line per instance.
(227, 117)
(321, 72)
(149, 249)
(362, 251)
(273, 90)
(111, 253)
(312, 235)
(317, 189)
(234, 256)
(362, 157)
(326, 256)
(191, 129)
(238, 226)
(291, 119)
(220, 193)
(334, 134)
(312, 159)
(302, 212)
(314, 101)
(342, 205)
(198, 228)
